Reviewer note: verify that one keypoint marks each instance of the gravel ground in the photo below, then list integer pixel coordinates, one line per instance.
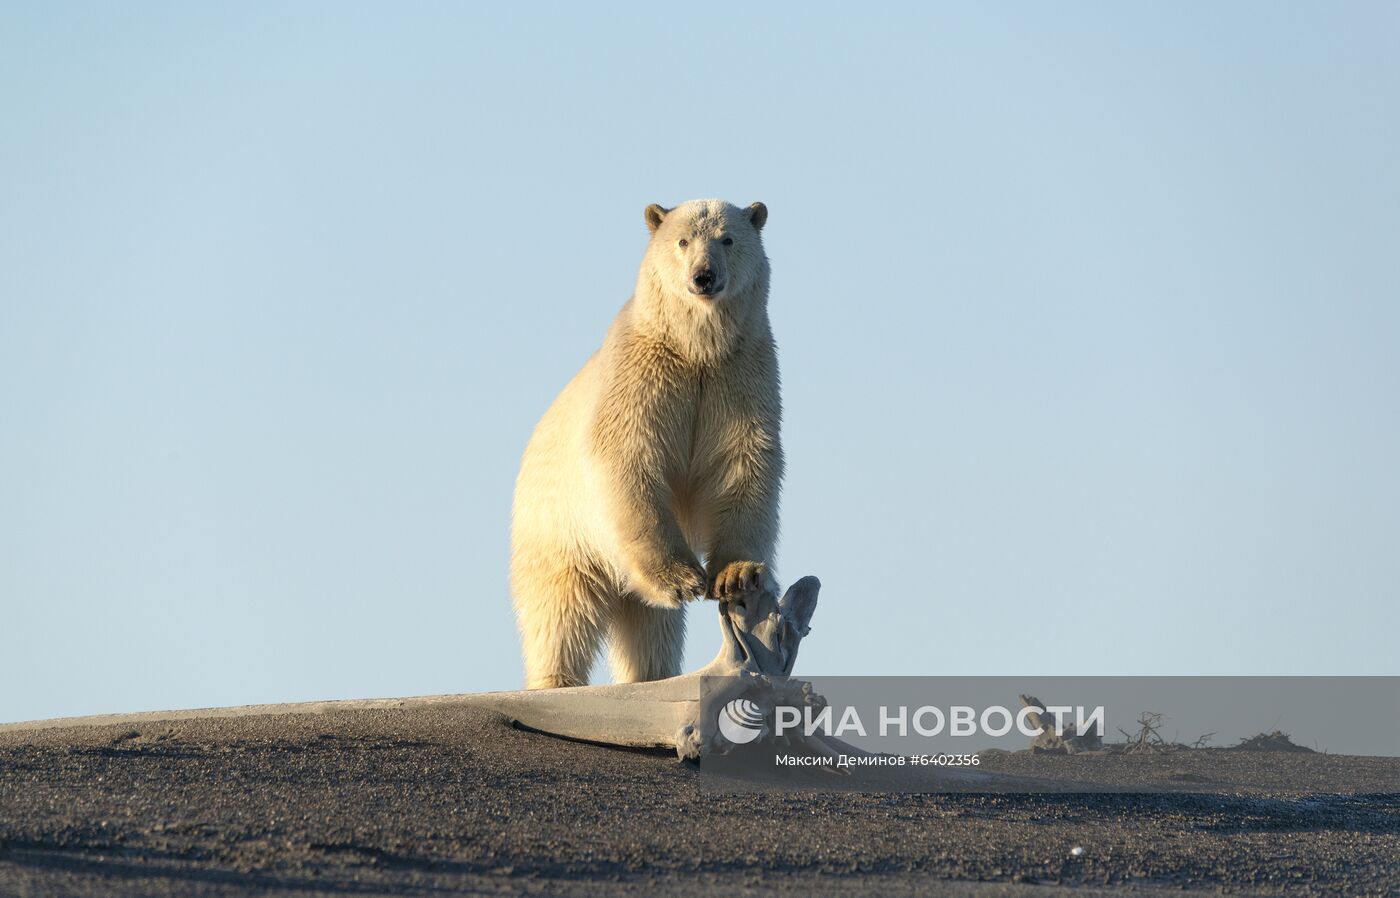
(454, 800)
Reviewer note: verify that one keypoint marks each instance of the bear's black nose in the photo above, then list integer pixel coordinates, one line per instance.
(703, 279)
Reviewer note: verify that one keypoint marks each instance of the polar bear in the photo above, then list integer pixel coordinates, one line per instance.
(663, 450)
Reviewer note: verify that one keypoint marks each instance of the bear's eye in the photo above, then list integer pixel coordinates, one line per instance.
(728, 241)
(684, 243)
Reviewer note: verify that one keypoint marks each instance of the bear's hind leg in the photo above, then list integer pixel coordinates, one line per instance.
(647, 642)
(562, 619)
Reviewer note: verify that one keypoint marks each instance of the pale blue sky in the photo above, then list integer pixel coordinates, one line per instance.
(1089, 319)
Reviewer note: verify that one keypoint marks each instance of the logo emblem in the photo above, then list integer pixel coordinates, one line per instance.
(741, 721)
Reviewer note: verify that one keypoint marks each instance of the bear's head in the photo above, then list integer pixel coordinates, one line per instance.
(705, 273)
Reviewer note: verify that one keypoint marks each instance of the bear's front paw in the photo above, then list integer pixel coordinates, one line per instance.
(678, 582)
(737, 578)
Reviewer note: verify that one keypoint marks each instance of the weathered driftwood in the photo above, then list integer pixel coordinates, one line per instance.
(760, 637)
(1066, 742)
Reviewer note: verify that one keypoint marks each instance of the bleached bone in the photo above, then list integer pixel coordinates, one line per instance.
(760, 634)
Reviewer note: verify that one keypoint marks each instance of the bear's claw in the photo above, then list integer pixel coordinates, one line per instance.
(735, 579)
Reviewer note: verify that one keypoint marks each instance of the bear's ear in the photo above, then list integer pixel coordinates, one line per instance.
(655, 214)
(758, 214)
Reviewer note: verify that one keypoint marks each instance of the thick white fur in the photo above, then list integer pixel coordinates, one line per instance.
(664, 449)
